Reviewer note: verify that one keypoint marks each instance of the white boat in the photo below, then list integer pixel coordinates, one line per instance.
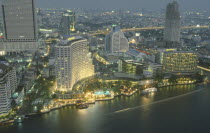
(149, 90)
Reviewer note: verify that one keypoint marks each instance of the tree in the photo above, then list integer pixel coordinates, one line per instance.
(110, 84)
(173, 79)
(198, 77)
(159, 77)
(46, 59)
(52, 78)
(137, 86)
(127, 83)
(54, 41)
(13, 103)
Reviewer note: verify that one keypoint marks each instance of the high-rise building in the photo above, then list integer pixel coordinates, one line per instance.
(180, 62)
(116, 41)
(8, 84)
(172, 23)
(39, 17)
(73, 62)
(20, 26)
(68, 22)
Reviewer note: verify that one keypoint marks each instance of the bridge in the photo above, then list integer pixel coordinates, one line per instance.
(147, 28)
(203, 68)
(206, 72)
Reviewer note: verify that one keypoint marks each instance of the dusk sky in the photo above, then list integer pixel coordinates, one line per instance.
(113, 4)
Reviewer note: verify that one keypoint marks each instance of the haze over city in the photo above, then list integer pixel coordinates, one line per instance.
(104, 66)
(127, 4)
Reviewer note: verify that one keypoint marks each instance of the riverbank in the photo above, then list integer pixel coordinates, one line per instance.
(92, 102)
(2, 123)
(140, 113)
(5, 122)
(175, 84)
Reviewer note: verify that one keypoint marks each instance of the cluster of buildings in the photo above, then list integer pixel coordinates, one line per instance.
(69, 56)
(18, 47)
(23, 52)
(144, 62)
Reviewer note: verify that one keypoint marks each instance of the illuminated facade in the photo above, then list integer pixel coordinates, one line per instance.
(68, 22)
(172, 24)
(116, 41)
(180, 62)
(8, 84)
(20, 29)
(73, 62)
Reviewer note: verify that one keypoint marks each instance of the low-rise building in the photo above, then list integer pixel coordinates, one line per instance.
(130, 67)
(141, 55)
(152, 69)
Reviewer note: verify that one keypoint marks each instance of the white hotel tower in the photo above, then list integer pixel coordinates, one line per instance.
(73, 62)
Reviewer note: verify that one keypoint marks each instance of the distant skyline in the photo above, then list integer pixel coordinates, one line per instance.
(126, 4)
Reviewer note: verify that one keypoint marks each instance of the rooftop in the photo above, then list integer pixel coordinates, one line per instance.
(137, 52)
(69, 40)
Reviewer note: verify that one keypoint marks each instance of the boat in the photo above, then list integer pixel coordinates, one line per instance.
(82, 106)
(149, 90)
(19, 119)
(78, 102)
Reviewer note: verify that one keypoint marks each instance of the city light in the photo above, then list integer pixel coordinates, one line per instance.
(124, 67)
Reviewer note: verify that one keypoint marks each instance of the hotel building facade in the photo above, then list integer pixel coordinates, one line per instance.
(180, 62)
(73, 62)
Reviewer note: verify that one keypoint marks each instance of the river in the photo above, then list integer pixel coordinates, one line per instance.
(175, 109)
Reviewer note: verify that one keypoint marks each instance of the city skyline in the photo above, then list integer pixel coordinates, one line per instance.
(193, 5)
(102, 66)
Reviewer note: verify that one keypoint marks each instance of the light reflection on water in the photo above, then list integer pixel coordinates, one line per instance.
(95, 120)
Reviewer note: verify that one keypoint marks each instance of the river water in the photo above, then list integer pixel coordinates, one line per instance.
(177, 109)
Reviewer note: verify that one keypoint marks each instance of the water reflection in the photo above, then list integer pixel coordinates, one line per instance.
(95, 118)
(82, 113)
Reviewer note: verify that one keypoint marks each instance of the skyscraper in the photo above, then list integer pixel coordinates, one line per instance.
(116, 41)
(73, 62)
(68, 21)
(172, 24)
(20, 29)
